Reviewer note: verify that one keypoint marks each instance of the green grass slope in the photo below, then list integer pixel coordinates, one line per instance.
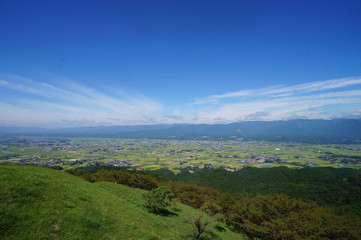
(40, 203)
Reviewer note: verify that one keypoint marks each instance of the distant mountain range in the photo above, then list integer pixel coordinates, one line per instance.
(316, 131)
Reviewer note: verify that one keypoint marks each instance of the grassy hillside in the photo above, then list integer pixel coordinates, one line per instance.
(41, 203)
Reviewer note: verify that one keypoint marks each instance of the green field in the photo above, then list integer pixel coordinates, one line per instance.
(69, 153)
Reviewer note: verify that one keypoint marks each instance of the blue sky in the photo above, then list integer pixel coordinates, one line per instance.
(89, 63)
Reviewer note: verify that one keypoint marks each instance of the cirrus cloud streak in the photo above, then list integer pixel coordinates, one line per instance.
(28, 102)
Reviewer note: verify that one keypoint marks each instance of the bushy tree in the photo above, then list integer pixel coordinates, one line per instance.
(158, 199)
(193, 195)
(199, 225)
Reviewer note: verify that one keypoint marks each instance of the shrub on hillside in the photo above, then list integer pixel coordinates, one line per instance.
(132, 179)
(278, 216)
(193, 195)
(158, 199)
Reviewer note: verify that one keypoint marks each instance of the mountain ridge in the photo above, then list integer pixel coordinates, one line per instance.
(303, 130)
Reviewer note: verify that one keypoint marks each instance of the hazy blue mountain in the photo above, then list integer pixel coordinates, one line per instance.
(338, 130)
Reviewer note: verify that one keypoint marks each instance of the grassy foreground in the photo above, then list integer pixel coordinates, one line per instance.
(41, 203)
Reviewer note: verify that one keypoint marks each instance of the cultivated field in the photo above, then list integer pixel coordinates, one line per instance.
(68, 153)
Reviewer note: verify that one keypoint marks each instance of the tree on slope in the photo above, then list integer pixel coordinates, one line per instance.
(158, 199)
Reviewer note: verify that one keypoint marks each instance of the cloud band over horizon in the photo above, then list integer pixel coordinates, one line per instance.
(27, 102)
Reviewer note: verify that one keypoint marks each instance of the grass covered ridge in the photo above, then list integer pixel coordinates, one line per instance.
(41, 203)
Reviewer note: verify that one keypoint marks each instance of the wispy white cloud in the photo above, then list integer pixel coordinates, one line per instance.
(321, 99)
(71, 102)
(283, 91)
(216, 98)
(25, 101)
(278, 109)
